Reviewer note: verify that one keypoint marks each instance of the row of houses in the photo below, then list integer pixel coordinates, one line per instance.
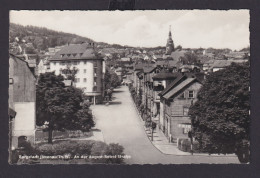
(167, 95)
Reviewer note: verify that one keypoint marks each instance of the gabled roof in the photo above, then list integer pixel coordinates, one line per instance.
(179, 87)
(173, 84)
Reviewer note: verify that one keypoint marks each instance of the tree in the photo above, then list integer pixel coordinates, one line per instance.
(70, 72)
(59, 107)
(190, 58)
(220, 117)
(179, 47)
(111, 79)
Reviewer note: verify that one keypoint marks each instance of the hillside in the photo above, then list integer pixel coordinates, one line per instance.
(43, 38)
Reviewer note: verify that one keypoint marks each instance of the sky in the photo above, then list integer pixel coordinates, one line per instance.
(190, 28)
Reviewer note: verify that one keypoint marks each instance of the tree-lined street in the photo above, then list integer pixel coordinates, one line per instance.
(121, 124)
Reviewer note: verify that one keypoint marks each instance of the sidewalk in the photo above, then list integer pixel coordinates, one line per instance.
(161, 142)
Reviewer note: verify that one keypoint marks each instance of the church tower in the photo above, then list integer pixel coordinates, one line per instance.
(169, 45)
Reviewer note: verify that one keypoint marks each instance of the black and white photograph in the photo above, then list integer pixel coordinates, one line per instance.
(129, 87)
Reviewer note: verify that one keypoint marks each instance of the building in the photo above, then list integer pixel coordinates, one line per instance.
(22, 98)
(221, 64)
(169, 44)
(90, 66)
(43, 66)
(160, 82)
(175, 101)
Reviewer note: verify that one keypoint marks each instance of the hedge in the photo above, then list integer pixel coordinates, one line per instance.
(185, 144)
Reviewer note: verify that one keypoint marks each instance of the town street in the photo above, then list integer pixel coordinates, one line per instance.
(120, 123)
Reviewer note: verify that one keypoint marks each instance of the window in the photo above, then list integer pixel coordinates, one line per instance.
(191, 94)
(95, 88)
(11, 80)
(85, 71)
(95, 79)
(75, 63)
(85, 62)
(85, 80)
(80, 54)
(77, 80)
(54, 63)
(185, 111)
(186, 130)
(95, 70)
(74, 54)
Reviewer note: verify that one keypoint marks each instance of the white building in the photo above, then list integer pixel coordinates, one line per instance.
(90, 65)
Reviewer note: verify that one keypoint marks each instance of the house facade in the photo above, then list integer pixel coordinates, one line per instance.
(90, 66)
(175, 102)
(22, 99)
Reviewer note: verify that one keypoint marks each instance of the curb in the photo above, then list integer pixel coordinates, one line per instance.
(194, 154)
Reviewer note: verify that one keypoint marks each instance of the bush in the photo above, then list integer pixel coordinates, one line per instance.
(185, 144)
(115, 149)
(78, 148)
(66, 147)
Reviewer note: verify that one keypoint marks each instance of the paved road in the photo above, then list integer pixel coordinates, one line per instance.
(120, 123)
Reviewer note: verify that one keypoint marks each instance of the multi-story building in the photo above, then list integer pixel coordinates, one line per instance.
(90, 66)
(22, 98)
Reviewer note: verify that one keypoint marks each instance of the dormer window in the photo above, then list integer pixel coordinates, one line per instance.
(68, 55)
(74, 54)
(62, 55)
(80, 54)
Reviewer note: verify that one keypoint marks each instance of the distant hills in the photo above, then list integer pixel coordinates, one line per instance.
(42, 38)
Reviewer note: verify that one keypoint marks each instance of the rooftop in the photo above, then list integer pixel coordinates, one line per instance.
(77, 51)
(179, 87)
(166, 75)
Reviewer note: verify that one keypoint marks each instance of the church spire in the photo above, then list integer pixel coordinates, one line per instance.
(169, 45)
(170, 33)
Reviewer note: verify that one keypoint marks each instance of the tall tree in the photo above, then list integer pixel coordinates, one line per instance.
(60, 107)
(220, 117)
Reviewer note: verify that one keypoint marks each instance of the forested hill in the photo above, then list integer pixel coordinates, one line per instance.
(43, 38)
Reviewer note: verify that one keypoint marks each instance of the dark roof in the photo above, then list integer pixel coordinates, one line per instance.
(141, 66)
(148, 69)
(173, 83)
(77, 51)
(170, 63)
(179, 87)
(166, 75)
